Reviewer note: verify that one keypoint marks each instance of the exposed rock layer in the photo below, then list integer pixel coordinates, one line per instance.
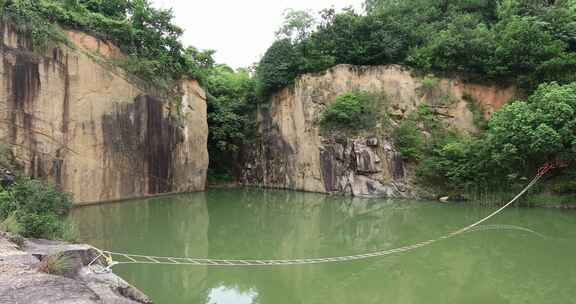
(83, 124)
(292, 153)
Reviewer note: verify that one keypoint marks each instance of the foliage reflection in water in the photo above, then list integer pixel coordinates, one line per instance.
(488, 266)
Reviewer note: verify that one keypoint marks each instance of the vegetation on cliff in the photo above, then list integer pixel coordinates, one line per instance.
(528, 42)
(519, 138)
(35, 209)
(356, 110)
(231, 119)
(32, 208)
(147, 35)
(151, 42)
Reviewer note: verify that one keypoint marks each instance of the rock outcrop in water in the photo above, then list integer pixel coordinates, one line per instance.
(73, 119)
(292, 153)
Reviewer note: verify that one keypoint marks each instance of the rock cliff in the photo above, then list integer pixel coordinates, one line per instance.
(292, 152)
(72, 118)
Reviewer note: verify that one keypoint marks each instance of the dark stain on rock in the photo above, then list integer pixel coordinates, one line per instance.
(161, 140)
(327, 166)
(58, 163)
(141, 134)
(25, 81)
(66, 103)
(398, 171)
(335, 163)
(23, 89)
(279, 166)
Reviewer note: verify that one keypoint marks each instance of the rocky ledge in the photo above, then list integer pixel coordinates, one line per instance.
(23, 279)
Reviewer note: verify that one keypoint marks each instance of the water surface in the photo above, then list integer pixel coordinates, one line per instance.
(504, 264)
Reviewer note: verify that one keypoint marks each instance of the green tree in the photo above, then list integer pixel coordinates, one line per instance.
(523, 45)
(466, 45)
(520, 137)
(279, 66)
(356, 110)
(298, 25)
(231, 109)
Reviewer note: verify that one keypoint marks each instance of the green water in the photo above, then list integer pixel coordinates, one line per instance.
(489, 266)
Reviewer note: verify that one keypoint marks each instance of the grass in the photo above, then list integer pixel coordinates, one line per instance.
(69, 233)
(58, 264)
(11, 225)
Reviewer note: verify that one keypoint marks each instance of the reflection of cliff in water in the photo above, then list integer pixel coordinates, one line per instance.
(286, 225)
(496, 266)
(173, 226)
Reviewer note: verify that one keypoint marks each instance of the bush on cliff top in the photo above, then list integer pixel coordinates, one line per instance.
(529, 42)
(356, 110)
(145, 34)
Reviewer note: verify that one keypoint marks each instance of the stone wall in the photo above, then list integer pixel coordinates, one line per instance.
(291, 152)
(73, 119)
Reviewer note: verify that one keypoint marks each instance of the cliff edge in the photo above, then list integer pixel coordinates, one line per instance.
(73, 118)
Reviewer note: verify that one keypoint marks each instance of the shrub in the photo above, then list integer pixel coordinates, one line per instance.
(429, 84)
(32, 196)
(35, 208)
(519, 138)
(565, 187)
(409, 140)
(357, 110)
(46, 226)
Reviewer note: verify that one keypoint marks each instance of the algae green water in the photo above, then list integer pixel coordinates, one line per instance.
(499, 264)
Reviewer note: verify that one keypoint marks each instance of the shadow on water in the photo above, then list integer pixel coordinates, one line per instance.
(498, 265)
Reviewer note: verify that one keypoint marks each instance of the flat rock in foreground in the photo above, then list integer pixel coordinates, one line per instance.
(21, 282)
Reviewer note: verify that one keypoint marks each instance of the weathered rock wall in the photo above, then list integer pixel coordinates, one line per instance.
(82, 123)
(291, 152)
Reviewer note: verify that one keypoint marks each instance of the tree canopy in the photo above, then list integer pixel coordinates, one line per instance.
(529, 42)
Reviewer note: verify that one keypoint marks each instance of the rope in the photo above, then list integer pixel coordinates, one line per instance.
(127, 259)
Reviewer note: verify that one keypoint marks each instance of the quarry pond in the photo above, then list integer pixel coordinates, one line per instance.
(520, 256)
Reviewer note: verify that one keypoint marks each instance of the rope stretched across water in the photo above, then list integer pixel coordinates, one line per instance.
(110, 256)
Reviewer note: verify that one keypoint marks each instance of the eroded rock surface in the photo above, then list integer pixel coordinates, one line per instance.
(292, 152)
(72, 118)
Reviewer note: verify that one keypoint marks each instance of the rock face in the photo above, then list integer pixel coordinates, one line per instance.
(22, 282)
(73, 119)
(292, 153)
